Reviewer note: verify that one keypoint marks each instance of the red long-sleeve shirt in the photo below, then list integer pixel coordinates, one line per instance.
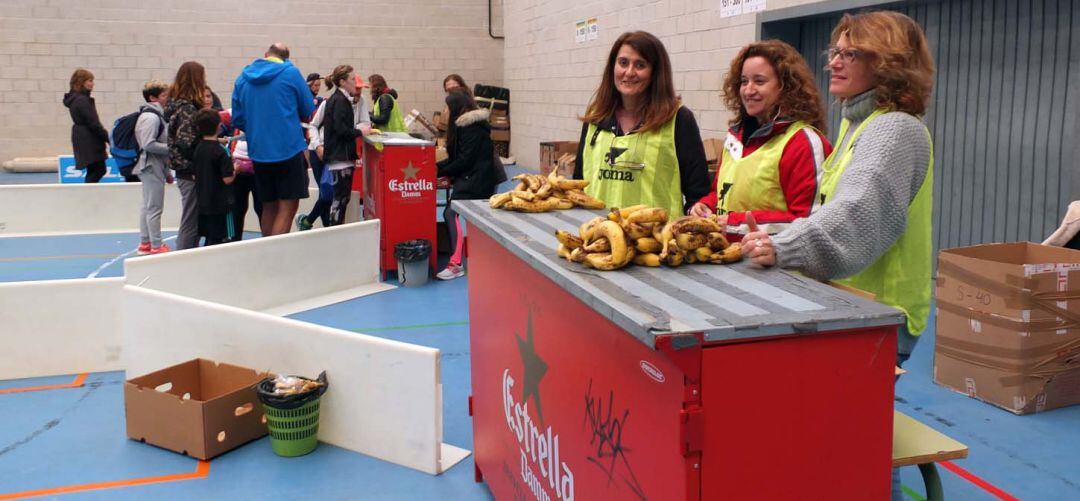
(799, 167)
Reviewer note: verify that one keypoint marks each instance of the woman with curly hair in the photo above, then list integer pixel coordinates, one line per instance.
(870, 224)
(775, 147)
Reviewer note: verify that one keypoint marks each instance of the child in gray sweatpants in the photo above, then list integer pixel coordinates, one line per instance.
(152, 166)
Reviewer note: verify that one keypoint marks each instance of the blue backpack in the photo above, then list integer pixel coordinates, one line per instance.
(122, 143)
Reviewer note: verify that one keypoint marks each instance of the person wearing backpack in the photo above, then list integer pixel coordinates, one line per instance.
(152, 165)
(185, 99)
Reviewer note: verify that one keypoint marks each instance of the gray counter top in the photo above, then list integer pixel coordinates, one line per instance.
(724, 302)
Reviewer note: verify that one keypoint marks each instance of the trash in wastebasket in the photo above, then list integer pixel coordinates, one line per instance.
(290, 392)
(411, 251)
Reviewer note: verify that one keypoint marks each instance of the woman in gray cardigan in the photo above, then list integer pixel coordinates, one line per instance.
(870, 224)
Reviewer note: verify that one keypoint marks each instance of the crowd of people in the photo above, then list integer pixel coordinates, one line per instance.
(257, 151)
(860, 211)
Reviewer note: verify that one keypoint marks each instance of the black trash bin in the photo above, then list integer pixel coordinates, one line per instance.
(412, 262)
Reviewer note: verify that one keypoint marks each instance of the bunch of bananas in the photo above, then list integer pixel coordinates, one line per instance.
(643, 235)
(695, 239)
(536, 193)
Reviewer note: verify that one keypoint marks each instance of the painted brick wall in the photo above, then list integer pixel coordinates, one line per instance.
(413, 43)
(552, 77)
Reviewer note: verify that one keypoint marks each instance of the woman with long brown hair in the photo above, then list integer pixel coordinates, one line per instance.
(870, 225)
(186, 97)
(639, 144)
(775, 147)
(385, 112)
(88, 136)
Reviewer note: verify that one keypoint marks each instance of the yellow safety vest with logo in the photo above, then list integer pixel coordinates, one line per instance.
(752, 182)
(397, 120)
(638, 168)
(901, 277)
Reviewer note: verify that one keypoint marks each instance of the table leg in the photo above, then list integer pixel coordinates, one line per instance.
(932, 481)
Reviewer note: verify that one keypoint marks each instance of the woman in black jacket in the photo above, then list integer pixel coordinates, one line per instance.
(88, 136)
(339, 138)
(470, 163)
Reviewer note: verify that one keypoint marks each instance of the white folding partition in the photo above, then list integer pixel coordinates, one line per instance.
(60, 327)
(280, 275)
(55, 209)
(385, 397)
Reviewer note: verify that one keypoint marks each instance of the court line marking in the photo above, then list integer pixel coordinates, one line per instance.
(982, 484)
(202, 470)
(52, 258)
(403, 327)
(121, 256)
(75, 383)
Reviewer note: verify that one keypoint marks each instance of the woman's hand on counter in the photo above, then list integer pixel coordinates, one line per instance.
(701, 210)
(757, 245)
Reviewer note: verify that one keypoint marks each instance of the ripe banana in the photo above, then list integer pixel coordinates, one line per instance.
(499, 200)
(703, 254)
(540, 206)
(563, 252)
(616, 239)
(717, 241)
(733, 253)
(650, 215)
(571, 184)
(690, 241)
(599, 245)
(647, 259)
(568, 239)
(635, 230)
(581, 199)
(587, 228)
(648, 245)
(526, 195)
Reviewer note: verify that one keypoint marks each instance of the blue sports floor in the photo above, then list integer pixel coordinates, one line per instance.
(74, 436)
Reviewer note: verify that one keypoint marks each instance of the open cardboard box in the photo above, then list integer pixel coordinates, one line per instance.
(199, 408)
(1008, 325)
(552, 151)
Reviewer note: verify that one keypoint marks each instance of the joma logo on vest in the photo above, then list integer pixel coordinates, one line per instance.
(617, 175)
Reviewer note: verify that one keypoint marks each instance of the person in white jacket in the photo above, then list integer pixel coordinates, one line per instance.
(152, 166)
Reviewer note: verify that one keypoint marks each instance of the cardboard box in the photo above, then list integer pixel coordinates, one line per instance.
(714, 149)
(199, 408)
(565, 165)
(551, 151)
(500, 122)
(439, 119)
(1008, 325)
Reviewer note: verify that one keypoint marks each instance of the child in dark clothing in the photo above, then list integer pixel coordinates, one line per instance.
(213, 175)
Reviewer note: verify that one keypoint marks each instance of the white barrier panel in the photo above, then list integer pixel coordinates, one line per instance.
(279, 275)
(385, 397)
(46, 209)
(51, 209)
(60, 327)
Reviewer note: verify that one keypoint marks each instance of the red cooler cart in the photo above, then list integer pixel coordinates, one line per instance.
(701, 382)
(399, 181)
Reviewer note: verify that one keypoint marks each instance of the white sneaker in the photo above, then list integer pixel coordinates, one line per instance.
(451, 272)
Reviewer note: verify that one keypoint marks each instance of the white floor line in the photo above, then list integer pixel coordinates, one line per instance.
(122, 256)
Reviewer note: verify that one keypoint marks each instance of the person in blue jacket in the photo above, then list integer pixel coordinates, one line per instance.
(270, 100)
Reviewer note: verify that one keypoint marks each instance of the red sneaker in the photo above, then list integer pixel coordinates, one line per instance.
(160, 250)
(144, 249)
